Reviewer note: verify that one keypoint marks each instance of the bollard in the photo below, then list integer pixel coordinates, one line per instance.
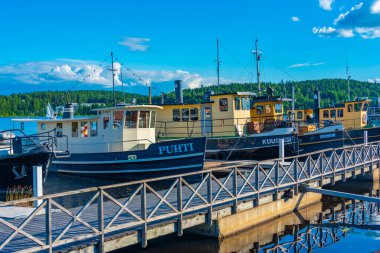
(365, 137)
(281, 149)
(37, 184)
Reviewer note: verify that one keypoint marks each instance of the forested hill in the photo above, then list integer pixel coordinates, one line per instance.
(332, 91)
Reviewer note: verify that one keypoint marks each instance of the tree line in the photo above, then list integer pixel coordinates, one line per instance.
(332, 91)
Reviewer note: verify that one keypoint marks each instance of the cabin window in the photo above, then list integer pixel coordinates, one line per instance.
(325, 114)
(106, 122)
(332, 113)
(278, 108)
(223, 104)
(84, 129)
(74, 129)
(365, 107)
(94, 128)
(357, 107)
(43, 126)
(185, 114)
(260, 110)
(237, 104)
(176, 115)
(300, 115)
(340, 113)
(144, 119)
(153, 119)
(267, 109)
(246, 104)
(130, 119)
(117, 119)
(349, 108)
(59, 129)
(194, 114)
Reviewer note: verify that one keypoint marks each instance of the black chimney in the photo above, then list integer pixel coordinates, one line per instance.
(68, 111)
(178, 91)
(317, 104)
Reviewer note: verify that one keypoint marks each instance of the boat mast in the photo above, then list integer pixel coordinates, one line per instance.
(258, 56)
(347, 74)
(113, 80)
(217, 61)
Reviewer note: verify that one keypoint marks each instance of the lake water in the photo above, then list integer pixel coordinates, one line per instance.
(298, 232)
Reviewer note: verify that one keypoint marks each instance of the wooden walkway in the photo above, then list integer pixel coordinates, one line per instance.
(137, 211)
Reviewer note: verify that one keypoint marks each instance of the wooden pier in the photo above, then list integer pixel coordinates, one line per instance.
(124, 214)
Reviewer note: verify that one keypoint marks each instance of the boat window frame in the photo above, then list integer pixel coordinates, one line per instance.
(358, 107)
(131, 124)
(237, 102)
(223, 104)
(106, 123)
(267, 106)
(59, 132)
(116, 125)
(298, 114)
(246, 103)
(147, 123)
(325, 114)
(365, 106)
(340, 113)
(185, 114)
(276, 109)
(76, 133)
(350, 108)
(92, 131)
(194, 114)
(333, 113)
(176, 117)
(43, 126)
(84, 131)
(152, 122)
(261, 111)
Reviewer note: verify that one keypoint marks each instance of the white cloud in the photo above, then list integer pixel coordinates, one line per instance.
(368, 32)
(79, 72)
(375, 7)
(345, 33)
(307, 64)
(323, 31)
(343, 15)
(135, 44)
(326, 4)
(295, 19)
(374, 80)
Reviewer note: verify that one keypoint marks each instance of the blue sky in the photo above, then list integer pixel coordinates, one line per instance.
(66, 44)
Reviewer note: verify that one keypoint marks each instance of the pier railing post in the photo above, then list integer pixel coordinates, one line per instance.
(101, 221)
(281, 149)
(144, 241)
(257, 182)
(48, 224)
(209, 198)
(235, 191)
(179, 206)
(295, 172)
(37, 184)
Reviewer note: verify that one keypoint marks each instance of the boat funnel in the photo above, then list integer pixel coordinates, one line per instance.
(178, 91)
(68, 111)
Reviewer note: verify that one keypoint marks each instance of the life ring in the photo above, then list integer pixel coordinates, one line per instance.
(364, 119)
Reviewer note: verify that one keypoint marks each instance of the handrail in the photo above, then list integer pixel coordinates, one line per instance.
(244, 182)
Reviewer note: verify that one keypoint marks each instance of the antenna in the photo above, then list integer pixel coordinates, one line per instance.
(217, 61)
(347, 73)
(258, 57)
(122, 84)
(113, 80)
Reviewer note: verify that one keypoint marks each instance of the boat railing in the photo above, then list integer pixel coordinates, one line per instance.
(17, 141)
(219, 127)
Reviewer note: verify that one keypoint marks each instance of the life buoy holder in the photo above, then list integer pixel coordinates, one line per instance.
(364, 119)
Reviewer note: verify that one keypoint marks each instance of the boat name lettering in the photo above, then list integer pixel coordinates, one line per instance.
(276, 140)
(176, 148)
(325, 136)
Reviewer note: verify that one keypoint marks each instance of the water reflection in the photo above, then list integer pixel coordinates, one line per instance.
(332, 225)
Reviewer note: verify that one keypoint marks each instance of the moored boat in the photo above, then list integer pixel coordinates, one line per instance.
(120, 142)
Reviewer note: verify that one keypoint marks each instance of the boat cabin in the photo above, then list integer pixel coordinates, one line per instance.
(220, 115)
(352, 114)
(113, 129)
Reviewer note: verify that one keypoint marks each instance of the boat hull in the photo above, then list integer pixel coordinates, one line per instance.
(250, 147)
(160, 159)
(9, 165)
